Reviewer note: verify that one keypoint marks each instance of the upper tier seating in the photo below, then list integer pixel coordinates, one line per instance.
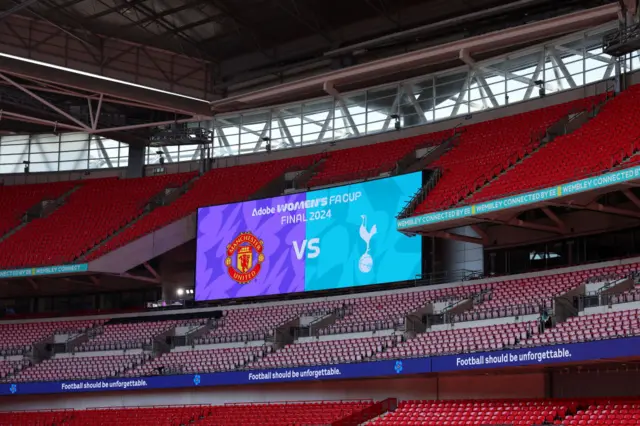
(218, 186)
(488, 148)
(281, 414)
(465, 413)
(368, 161)
(18, 199)
(326, 352)
(600, 144)
(463, 340)
(65, 235)
(15, 338)
(75, 368)
(199, 361)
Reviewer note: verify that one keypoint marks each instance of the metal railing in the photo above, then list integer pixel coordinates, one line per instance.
(621, 36)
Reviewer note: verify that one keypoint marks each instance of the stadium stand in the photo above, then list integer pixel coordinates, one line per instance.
(37, 418)
(79, 368)
(282, 414)
(126, 336)
(487, 149)
(613, 412)
(463, 413)
(108, 204)
(352, 164)
(164, 416)
(8, 367)
(291, 413)
(387, 311)
(199, 361)
(525, 296)
(585, 328)
(518, 137)
(257, 323)
(464, 340)
(489, 325)
(606, 141)
(488, 412)
(18, 337)
(326, 352)
(218, 186)
(18, 199)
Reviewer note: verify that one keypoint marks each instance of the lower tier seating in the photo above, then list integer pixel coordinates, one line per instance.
(487, 149)
(199, 361)
(271, 414)
(326, 352)
(389, 310)
(585, 328)
(461, 340)
(482, 412)
(281, 414)
(76, 368)
(36, 418)
(145, 416)
(465, 413)
(601, 413)
(15, 338)
(130, 335)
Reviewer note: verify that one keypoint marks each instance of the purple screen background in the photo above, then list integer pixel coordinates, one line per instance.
(219, 225)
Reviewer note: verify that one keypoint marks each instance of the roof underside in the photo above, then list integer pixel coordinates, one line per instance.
(218, 48)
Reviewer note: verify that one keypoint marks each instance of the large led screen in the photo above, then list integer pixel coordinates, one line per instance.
(331, 238)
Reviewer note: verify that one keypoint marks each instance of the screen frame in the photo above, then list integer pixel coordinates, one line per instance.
(270, 296)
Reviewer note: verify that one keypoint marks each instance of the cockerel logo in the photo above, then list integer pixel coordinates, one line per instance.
(244, 257)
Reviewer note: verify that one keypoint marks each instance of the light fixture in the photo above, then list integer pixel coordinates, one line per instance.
(541, 89)
(180, 291)
(267, 139)
(397, 118)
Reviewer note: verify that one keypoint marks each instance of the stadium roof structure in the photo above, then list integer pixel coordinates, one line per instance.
(163, 61)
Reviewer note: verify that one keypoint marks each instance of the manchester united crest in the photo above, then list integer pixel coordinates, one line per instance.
(244, 257)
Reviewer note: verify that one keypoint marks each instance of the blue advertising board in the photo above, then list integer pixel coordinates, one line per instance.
(583, 185)
(543, 355)
(247, 377)
(44, 270)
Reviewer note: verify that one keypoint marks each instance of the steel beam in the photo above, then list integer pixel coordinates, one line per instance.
(416, 105)
(527, 33)
(68, 78)
(328, 88)
(44, 101)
